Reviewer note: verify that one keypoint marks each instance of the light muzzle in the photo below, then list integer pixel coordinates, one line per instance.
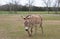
(26, 28)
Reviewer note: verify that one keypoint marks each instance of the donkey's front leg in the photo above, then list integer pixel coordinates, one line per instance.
(31, 30)
(29, 33)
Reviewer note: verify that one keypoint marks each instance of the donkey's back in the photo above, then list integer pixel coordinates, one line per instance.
(35, 19)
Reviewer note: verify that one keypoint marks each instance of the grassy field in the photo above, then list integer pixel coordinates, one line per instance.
(11, 27)
(27, 12)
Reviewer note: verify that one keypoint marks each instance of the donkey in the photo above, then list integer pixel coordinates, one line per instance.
(31, 21)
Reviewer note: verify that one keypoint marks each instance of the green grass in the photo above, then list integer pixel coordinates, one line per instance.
(27, 12)
(51, 17)
(11, 27)
(48, 16)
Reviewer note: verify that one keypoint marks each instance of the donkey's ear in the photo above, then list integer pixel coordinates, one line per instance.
(23, 17)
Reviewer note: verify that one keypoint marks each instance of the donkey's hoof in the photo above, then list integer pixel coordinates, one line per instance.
(30, 35)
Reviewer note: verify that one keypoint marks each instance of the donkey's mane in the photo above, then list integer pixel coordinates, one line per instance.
(28, 16)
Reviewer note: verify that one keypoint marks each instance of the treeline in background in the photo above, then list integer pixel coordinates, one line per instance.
(14, 7)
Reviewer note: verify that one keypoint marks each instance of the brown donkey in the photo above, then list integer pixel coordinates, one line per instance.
(31, 21)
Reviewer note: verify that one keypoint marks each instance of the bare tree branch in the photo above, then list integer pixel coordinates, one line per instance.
(30, 5)
(47, 3)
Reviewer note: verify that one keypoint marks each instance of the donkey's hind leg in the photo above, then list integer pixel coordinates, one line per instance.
(41, 27)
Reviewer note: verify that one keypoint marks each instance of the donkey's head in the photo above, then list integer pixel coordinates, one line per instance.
(26, 23)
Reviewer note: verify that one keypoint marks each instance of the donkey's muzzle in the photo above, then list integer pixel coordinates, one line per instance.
(26, 29)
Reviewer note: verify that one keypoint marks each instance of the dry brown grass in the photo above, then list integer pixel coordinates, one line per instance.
(11, 27)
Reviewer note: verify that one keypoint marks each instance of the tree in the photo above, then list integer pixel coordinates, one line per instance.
(30, 5)
(47, 3)
(55, 6)
(58, 4)
(13, 5)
